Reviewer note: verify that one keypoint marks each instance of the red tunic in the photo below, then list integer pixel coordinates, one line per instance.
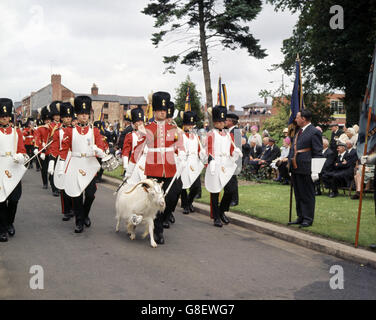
(28, 134)
(67, 139)
(161, 140)
(41, 137)
(20, 142)
(54, 148)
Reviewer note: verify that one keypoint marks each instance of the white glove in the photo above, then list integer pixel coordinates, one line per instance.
(59, 169)
(51, 165)
(212, 167)
(19, 158)
(315, 177)
(130, 169)
(125, 163)
(42, 156)
(36, 151)
(99, 152)
(237, 153)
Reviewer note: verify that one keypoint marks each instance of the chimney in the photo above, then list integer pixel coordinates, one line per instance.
(56, 87)
(94, 90)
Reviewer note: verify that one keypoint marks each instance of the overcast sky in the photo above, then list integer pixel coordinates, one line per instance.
(108, 43)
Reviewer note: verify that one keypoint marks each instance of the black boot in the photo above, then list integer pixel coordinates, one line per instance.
(11, 231)
(79, 228)
(223, 217)
(218, 223)
(186, 211)
(172, 218)
(158, 229)
(3, 237)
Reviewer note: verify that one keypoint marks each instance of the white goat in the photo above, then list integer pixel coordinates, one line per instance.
(140, 204)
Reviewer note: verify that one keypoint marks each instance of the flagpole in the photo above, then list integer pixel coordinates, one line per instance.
(362, 180)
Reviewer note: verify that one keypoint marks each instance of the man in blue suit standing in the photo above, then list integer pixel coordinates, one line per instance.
(307, 144)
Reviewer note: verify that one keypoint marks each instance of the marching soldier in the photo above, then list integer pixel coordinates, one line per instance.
(160, 160)
(85, 143)
(222, 165)
(100, 126)
(178, 186)
(132, 145)
(66, 115)
(41, 139)
(12, 159)
(53, 126)
(28, 133)
(196, 158)
(231, 125)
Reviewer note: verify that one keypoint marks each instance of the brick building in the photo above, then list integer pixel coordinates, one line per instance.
(114, 106)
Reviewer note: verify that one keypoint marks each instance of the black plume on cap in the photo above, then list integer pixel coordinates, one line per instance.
(6, 107)
(219, 114)
(82, 104)
(160, 101)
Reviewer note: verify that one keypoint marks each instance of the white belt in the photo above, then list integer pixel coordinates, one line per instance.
(161, 149)
(6, 154)
(223, 155)
(29, 136)
(82, 155)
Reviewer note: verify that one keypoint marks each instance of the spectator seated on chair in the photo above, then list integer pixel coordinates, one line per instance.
(368, 176)
(280, 164)
(270, 152)
(328, 165)
(343, 170)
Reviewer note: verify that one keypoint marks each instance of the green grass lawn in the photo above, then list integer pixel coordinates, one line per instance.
(334, 218)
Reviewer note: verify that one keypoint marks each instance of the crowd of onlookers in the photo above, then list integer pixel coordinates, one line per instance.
(262, 158)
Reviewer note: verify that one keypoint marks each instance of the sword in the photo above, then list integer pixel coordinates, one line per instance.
(47, 145)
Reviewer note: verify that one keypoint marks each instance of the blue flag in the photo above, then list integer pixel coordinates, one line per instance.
(368, 102)
(297, 94)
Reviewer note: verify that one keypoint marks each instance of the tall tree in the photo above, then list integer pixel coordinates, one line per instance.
(195, 97)
(204, 24)
(337, 59)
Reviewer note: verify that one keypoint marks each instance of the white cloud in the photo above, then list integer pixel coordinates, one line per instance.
(108, 43)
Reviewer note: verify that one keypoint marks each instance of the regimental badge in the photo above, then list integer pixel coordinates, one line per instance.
(139, 115)
(163, 102)
(84, 106)
(192, 119)
(5, 109)
(68, 111)
(83, 173)
(169, 111)
(222, 115)
(7, 173)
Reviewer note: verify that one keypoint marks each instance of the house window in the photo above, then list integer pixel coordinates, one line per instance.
(105, 105)
(105, 116)
(337, 107)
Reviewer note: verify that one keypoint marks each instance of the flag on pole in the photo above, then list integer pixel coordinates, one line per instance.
(101, 115)
(224, 93)
(188, 100)
(149, 109)
(297, 103)
(368, 102)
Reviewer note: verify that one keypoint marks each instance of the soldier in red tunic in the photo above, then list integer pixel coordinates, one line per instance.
(160, 163)
(12, 159)
(28, 133)
(41, 139)
(66, 115)
(85, 143)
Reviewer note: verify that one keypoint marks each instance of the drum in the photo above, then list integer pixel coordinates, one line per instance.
(110, 163)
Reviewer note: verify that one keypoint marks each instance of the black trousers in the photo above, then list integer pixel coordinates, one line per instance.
(335, 179)
(8, 208)
(283, 171)
(194, 190)
(101, 170)
(170, 203)
(81, 205)
(66, 202)
(218, 209)
(43, 170)
(51, 176)
(304, 191)
(30, 153)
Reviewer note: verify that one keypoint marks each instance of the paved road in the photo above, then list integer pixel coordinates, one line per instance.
(198, 260)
